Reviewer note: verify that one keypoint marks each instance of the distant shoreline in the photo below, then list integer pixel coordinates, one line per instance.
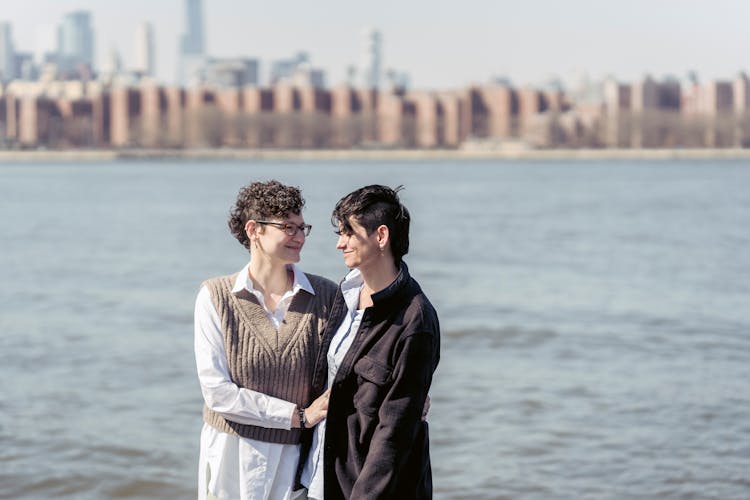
(94, 155)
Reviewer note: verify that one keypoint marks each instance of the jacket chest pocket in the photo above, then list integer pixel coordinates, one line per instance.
(372, 384)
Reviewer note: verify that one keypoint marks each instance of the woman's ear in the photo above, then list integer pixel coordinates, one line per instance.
(384, 236)
(251, 229)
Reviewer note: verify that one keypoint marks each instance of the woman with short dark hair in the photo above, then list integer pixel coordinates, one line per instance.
(379, 351)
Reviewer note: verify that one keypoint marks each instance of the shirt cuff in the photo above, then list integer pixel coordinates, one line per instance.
(281, 411)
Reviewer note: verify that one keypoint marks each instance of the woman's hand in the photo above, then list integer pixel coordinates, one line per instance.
(426, 408)
(314, 413)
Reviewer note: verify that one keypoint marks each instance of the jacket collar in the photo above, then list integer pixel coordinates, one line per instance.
(394, 289)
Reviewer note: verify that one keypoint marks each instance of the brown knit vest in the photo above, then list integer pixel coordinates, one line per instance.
(277, 363)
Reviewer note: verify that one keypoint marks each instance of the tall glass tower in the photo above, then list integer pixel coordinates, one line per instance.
(7, 53)
(192, 39)
(192, 43)
(370, 62)
(144, 49)
(76, 39)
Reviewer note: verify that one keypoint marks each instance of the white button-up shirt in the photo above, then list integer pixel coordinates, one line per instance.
(233, 467)
(312, 474)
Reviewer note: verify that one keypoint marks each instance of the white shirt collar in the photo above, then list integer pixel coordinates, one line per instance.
(352, 279)
(350, 288)
(243, 281)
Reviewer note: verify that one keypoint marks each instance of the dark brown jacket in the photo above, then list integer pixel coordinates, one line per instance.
(376, 445)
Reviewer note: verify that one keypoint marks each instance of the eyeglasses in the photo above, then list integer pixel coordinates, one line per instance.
(290, 229)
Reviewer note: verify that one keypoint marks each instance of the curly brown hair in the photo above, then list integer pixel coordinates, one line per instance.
(262, 201)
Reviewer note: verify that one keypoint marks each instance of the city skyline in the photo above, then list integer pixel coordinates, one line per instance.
(439, 44)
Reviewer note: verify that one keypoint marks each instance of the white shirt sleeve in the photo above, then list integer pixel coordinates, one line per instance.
(221, 395)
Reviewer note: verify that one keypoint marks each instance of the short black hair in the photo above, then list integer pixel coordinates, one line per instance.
(372, 206)
(261, 201)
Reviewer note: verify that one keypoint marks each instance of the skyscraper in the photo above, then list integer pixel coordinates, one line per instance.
(7, 53)
(192, 48)
(371, 59)
(112, 65)
(144, 49)
(192, 39)
(76, 40)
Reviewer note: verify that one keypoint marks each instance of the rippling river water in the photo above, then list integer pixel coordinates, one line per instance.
(595, 315)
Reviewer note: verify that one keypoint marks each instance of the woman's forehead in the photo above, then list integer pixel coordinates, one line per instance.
(293, 217)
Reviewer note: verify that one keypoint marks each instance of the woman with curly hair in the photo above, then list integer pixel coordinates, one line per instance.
(257, 334)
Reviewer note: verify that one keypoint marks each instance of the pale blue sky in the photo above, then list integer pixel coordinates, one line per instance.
(440, 43)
